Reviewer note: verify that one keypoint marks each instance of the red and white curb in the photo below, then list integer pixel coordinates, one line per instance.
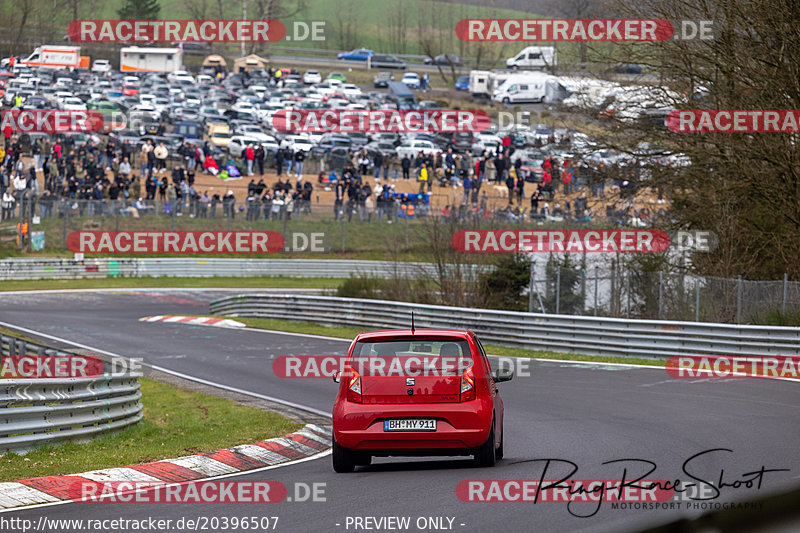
(195, 320)
(306, 442)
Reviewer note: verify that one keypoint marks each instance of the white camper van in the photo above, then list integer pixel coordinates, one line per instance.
(522, 88)
(482, 83)
(534, 57)
(135, 59)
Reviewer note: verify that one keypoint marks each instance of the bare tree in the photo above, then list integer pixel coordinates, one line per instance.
(398, 25)
(346, 16)
(743, 187)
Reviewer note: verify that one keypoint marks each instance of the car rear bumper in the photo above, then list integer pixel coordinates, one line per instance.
(460, 426)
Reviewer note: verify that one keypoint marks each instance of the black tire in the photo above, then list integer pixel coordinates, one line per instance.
(499, 453)
(506, 101)
(362, 459)
(343, 460)
(486, 455)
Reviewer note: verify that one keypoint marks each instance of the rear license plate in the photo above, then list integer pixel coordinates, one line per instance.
(410, 424)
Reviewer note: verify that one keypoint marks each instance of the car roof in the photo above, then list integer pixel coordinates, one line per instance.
(422, 333)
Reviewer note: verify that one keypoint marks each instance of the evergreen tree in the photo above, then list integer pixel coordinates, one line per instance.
(139, 10)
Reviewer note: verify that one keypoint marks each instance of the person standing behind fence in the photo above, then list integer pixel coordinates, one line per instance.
(260, 157)
(423, 178)
(299, 159)
(249, 158)
(161, 153)
(405, 164)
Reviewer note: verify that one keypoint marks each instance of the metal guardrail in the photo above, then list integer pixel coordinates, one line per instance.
(40, 411)
(28, 269)
(560, 333)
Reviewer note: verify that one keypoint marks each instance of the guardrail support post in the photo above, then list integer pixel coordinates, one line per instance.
(595, 290)
(530, 288)
(66, 211)
(785, 292)
(558, 289)
(739, 300)
(628, 293)
(660, 292)
(697, 300)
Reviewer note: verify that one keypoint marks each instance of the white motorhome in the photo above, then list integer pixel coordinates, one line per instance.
(482, 83)
(135, 59)
(521, 88)
(534, 57)
(54, 57)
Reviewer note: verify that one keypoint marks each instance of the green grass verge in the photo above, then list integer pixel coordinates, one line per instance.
(255, 282)
(15, 334)
(350, 332)
(176, 422)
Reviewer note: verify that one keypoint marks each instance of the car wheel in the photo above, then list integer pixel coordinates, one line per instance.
(499, 453)
(343, 460)
(486, 455)
(506, 101)
(362, 459)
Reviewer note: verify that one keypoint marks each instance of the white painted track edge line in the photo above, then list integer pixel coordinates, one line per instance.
(175, 373)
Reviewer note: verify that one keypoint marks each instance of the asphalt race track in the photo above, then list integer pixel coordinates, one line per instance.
(587, 414)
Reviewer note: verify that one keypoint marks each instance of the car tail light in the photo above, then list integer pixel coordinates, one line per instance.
(354, 387)
(467, 385)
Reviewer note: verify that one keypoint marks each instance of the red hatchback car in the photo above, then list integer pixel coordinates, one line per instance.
(417, 392)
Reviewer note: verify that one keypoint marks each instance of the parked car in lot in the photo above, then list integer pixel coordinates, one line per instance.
(297, 142)
(336, 76)
(312, 76)
(444, 59)
(219, 134)
(73, 104)
(101, 65)
(414, 146)
(382, 80)
(437, 395)
(238, 144)
(386, 61)
(359, 54)
(411, 79)
(428, 104)
(329, 141)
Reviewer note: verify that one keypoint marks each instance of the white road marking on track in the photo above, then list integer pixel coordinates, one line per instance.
(172, 372)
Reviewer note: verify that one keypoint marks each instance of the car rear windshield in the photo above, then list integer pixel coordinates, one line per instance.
(411, 357)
